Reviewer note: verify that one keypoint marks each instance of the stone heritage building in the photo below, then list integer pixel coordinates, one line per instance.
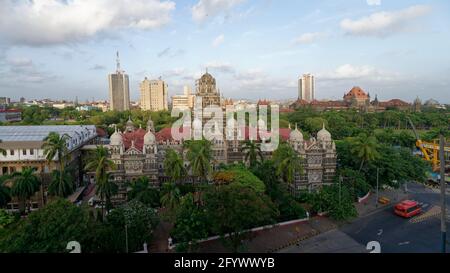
(358, 99)
(138, 152)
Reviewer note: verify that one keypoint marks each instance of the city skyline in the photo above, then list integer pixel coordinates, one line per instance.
(382, 46)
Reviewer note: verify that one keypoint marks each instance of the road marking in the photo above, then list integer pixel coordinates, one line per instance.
(380, 232)
(404, 243)
(435, 211)
(425, 205)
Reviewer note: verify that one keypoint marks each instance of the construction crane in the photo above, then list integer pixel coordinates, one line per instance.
(430, 150)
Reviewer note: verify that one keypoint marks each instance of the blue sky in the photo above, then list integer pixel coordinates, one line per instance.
(255, 48)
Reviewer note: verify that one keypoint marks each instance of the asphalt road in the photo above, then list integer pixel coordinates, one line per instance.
(395, 234)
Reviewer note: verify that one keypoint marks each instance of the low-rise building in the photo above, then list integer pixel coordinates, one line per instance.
(10, 115)
(23, 146)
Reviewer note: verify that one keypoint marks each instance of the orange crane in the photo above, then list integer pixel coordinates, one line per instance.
(430, 150)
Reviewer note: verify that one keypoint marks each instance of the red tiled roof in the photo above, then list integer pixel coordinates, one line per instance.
(356, 92)
(137, 136)
(394, 103)
(166, 134)
(10, 111)
(101, 132)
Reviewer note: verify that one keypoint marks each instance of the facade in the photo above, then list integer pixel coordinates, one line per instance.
(306, 88)
(319, 160)
(5, 101)
(119, 89)
(10, 115)
(138, 152)
(154, 95)
(206, 89)
(185, 101)
(23, 145)
(357, 98)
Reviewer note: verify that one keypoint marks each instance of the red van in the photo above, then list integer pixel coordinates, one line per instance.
(408, 209)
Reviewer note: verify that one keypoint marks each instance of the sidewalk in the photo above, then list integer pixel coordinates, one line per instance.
(274, 239)
(371, 205)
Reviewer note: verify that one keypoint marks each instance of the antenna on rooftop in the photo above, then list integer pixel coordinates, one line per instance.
(118, 62)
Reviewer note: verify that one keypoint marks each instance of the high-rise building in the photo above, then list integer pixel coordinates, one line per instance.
(119, 89)
(185, 101)
(306, 88)
(154, 95)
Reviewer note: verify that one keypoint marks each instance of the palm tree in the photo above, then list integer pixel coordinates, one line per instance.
(5, 194)
(365, 148)
(55, 145)
(106, 189)
(288, 163)
(252, 152)
(171, 196)
(24, 185)
(99, 162)
(2, 151)
(174, 166)
(61, 186)
(199, 156)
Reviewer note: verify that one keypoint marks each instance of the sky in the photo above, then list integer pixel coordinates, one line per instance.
(256, 49)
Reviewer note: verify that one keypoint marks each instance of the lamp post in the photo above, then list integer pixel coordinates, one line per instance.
(378, 185)
(443, 189)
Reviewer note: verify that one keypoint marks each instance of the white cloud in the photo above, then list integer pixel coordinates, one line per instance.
(205, 9)
(309, 38)
(219, 66)
(218, 40)
(352, 72)
(373, 2)
(382, 24)
(42, 22)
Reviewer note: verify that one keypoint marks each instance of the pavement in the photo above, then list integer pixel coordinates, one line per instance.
(395, 234)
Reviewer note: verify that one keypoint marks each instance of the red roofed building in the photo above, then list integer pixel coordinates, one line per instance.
(356, 97)
(139, 152)
(10, 115)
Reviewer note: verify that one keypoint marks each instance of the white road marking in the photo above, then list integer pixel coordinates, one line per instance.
(404, 243)
(380, 232)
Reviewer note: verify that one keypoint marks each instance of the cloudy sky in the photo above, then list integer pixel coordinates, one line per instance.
(255, 48)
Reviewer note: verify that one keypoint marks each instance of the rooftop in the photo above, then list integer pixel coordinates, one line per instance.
(38, 133)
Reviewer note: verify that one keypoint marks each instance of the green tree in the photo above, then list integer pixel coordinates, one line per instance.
(232, 210)
(199, 156)
(191, 225)
(174, 166)
(142, 192)
(365, 148)
(99, 162)
(24, 185)
(252, 151)
(5, 193)
(288, 162)
(48, 230)
(5, 219)
(133, 221)
(240, 176)
(61, 186)
(171, 195)
(55, 146)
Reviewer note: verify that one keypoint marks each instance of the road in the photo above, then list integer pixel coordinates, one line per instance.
(395, 234)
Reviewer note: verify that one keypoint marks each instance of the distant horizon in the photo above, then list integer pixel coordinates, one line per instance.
(255, 49)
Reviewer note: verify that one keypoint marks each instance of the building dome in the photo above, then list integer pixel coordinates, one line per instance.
(149, 138)
(324, 135)
(296, 135)
(116, 139)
